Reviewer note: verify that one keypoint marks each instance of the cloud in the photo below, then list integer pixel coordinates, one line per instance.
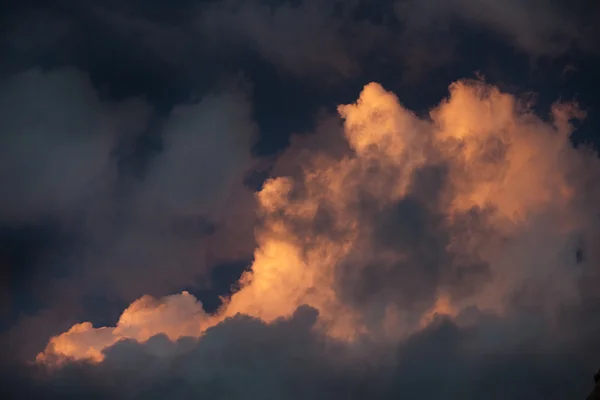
(113, 200)
(370, 229)
(437, 255)
(57, 138)
(307, 38)
(191, 208)
(535, 27)
(328, 38)
(206, 151)
(174, 316)
(163, 47)
(244, 358)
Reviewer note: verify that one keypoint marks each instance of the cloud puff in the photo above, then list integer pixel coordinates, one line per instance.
(174, 316)
(452, 248)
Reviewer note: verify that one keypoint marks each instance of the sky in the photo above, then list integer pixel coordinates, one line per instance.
(299, 199)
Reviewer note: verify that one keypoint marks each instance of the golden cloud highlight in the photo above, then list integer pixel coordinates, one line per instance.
(175, 316)
(423, 216)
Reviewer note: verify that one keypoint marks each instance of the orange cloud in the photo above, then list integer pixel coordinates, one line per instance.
(423, 216)
(175, 316)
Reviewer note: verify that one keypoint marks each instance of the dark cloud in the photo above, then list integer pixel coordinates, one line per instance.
(244, 358)
(56, 139)
(535, 27)
(330, 41)
(110, 231)
(129, 135)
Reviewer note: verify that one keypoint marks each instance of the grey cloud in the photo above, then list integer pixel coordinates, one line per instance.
(326, 41)
(206, 151)
(243, 358)
(128, 235)
(56, 142)
(191, 210)
(537, 27)
(303, 38)
(23, 340)
(328, 38)
(157, 231)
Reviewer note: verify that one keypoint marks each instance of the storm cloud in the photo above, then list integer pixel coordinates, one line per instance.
(427, 242)
(299, 199)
